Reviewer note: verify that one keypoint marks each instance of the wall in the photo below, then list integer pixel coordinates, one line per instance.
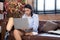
(31, 2)
(49, 17)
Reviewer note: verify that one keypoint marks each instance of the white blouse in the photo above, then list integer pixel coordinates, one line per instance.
(33, 21)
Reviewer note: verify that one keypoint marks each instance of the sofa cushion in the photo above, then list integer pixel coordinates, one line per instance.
(49, 25)
(41, 23)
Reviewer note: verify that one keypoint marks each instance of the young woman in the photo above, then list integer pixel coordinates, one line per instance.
(32, 19)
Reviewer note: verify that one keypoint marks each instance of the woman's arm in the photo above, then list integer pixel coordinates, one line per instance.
(9, 24)
(35, 23)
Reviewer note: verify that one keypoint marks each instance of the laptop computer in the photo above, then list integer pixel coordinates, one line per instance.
(20, 23)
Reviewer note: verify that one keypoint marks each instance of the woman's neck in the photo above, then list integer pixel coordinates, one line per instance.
(29, 15)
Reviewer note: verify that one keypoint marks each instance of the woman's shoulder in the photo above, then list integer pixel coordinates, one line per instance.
(35, 15)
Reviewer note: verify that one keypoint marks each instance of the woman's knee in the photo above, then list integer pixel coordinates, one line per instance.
(17, 32)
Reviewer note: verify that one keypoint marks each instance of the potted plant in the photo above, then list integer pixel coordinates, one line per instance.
(15, 8)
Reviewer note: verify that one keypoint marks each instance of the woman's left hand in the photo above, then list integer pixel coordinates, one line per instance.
(30, 33)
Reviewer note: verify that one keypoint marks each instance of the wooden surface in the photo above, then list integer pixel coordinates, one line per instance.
(41, 38)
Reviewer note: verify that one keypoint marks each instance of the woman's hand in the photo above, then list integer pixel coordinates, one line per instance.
(27, 30)
(30, 33)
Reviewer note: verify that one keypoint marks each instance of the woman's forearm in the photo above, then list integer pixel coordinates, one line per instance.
(9, 24)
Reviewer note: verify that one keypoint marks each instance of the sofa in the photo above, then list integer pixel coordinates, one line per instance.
(44, 27)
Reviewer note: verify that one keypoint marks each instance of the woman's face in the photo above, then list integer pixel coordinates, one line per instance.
(27, 11)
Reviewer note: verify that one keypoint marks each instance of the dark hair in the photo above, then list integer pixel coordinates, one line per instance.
(29, 6)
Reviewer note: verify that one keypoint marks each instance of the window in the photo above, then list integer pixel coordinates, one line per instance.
(48, 6)
(40, 4)
(58, 4)
(1, 5)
